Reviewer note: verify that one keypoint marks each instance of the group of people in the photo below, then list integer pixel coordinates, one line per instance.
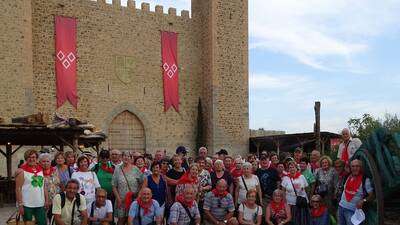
(130, 188)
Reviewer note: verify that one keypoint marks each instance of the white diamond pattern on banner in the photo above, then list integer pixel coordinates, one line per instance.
(66, 61)
(171, 70)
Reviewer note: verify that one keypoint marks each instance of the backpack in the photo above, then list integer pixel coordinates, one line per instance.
(77, 200)
(77, 203)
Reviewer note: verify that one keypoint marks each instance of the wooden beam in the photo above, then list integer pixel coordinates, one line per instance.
(9, 160)
(317, 130)
(65, 142)
(19, 147)
(3, 152)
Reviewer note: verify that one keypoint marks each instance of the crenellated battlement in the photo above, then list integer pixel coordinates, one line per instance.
(144, 8)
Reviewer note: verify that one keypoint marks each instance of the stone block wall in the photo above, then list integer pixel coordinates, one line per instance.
(119, 67)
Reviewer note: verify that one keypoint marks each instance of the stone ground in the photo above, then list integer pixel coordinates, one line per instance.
(5, 213)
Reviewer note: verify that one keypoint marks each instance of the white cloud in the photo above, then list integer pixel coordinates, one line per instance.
(324, 34)
(285, 102)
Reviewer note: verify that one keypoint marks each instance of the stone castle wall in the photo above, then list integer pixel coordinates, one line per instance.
(212, 57)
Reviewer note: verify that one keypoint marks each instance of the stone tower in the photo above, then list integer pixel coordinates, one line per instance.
(223, 26)
(16, 58)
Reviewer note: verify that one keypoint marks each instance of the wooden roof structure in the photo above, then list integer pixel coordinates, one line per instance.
(288, 142)
(16, 135)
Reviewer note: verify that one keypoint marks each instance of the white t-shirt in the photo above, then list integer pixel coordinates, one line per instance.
(251, 183)
(88, 183)
(249, 215)
(299, 183)
(101, 212)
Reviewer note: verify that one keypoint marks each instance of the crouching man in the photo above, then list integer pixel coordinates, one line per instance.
(69, 207)
(218, 206)
(100, 211)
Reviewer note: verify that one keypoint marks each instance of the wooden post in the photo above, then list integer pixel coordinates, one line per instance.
(9, 160)
(75, 144)
(258, 148)
(317, 127)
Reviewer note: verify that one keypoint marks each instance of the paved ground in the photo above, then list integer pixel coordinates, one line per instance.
(5, 213)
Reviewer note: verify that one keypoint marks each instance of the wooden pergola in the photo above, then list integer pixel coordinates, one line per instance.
(15, 136)
(288, 142)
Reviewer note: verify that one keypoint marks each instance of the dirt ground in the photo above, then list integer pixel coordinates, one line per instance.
(5, 213)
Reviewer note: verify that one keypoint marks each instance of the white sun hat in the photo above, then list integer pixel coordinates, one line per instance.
(358, 217)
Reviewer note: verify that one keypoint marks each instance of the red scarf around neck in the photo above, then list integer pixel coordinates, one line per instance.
(143, 169)
(345, 153)
(146, 206)
(236, 172)
(31, 169)
(48, 172)
(218, 194)
(187, 179)
(295, 176)
(107, 167)
(318, 212)
(276, 207)
(181, 199)
(352, 185)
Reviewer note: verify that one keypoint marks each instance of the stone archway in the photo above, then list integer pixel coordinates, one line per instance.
(126, 132)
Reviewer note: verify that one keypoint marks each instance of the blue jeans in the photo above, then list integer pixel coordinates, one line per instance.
(344, 216)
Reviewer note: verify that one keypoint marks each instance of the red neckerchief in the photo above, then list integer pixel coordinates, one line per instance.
(276, 207)
(295, 176)
(318, 212)
(143, 169)
(145, 206)
(218, 194)
(49, 172)
(186, 179)
(181, 199)
(106, 167)
(314, 165)
(236, 172)
(30, 169)
(345, 153)
(352, 185)
(342, 174)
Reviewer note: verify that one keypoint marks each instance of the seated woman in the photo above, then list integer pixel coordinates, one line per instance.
(249, 212)
(185, 210)
(319, 212)
(144, 210)
(278, 212)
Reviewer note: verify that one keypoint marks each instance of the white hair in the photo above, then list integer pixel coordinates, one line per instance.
(218, 161)
(247, 165)
(44, 156)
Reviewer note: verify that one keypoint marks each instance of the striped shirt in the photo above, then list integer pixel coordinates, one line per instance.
(218, 207)
(179, 215)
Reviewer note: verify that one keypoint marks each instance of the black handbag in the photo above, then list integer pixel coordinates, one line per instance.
(322, 189)
(301, 202)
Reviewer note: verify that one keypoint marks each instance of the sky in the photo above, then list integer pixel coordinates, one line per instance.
(343, 53)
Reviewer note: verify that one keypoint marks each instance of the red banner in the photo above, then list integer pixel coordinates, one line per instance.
(170, 69)
(65, 38)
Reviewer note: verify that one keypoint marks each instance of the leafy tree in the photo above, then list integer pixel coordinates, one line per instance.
(364, 126)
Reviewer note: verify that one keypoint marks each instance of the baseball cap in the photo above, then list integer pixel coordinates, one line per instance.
(222, 152)
(181, 149)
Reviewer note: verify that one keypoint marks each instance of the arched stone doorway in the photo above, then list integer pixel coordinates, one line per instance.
(126, 132)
